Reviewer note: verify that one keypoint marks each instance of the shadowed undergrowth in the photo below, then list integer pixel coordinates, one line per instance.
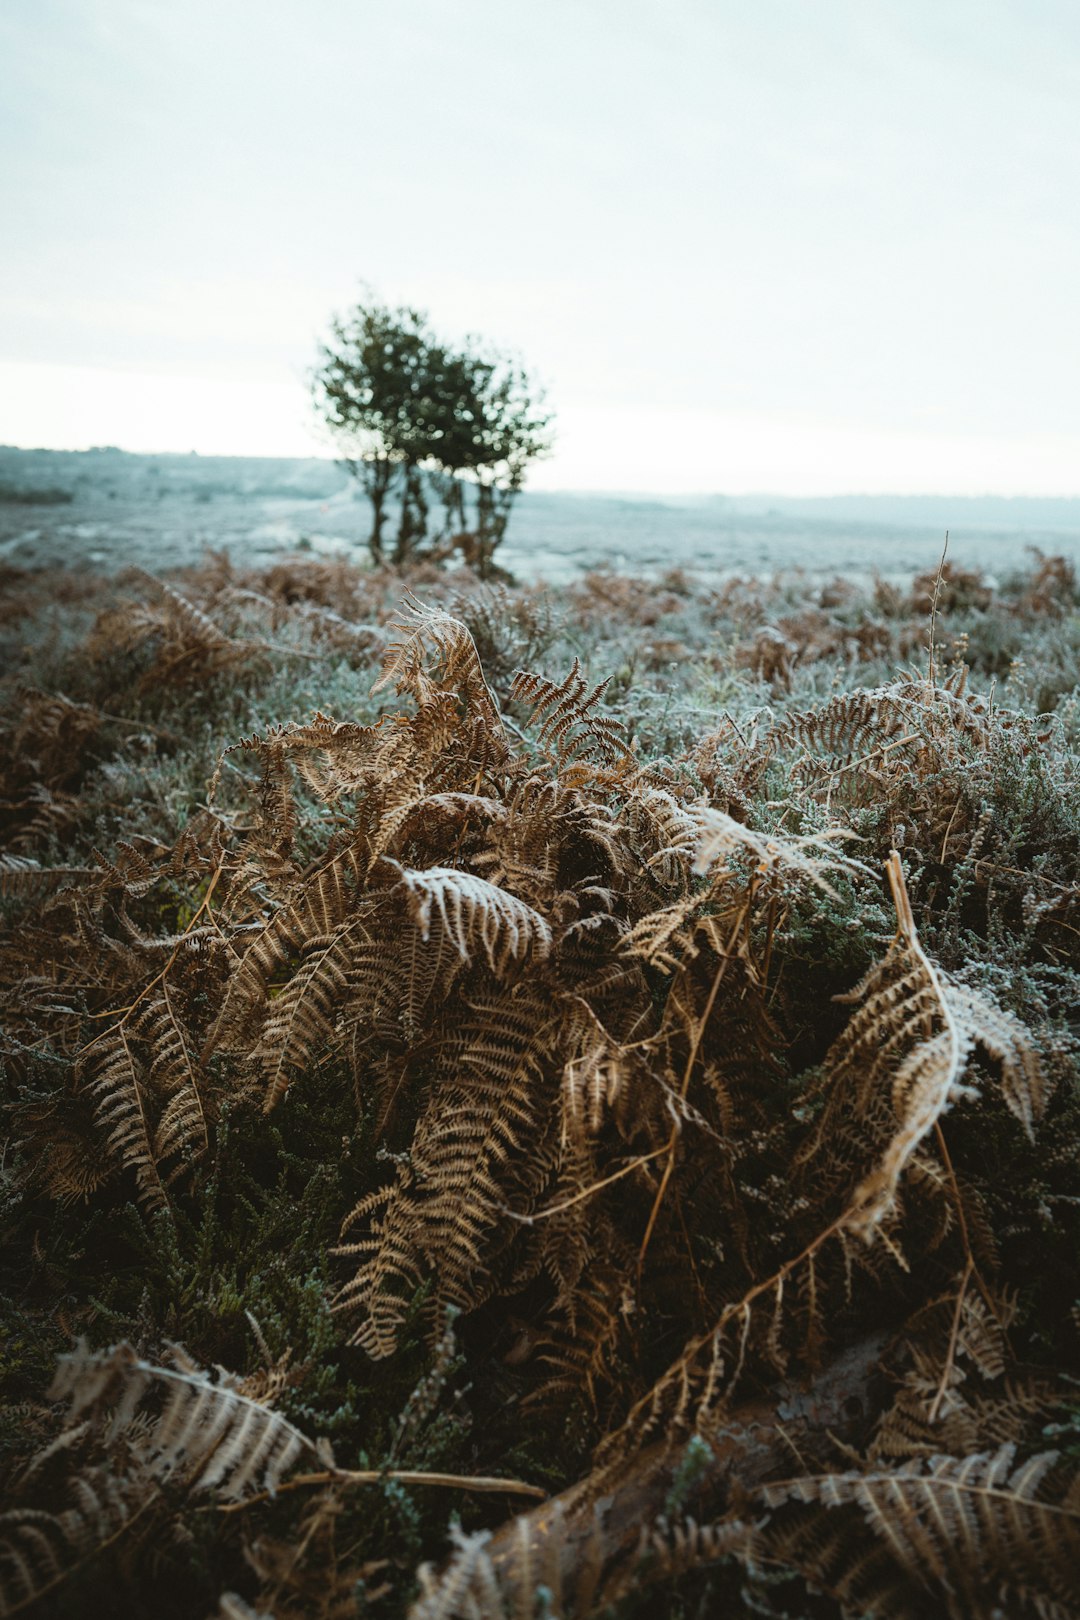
(621, 1046)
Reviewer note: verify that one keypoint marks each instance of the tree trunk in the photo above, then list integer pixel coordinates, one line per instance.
(377, 476)
(375, 545)
(412, 528)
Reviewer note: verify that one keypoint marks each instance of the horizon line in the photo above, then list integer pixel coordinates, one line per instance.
(604, 491)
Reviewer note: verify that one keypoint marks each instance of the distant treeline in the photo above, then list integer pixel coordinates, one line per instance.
(28, 495)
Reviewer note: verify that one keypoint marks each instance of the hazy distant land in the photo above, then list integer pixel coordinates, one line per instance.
(108, 508)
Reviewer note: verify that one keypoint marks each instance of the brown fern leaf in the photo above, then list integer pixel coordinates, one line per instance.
(901, 1062)
(456, 667)
(277, 813)
(721, 837)
(696, 840)
(664, 832)
(473, 1155)
(569, 728)
(301, 1022)
(49, 742)
(437, 820)
(134, 1428)
(472, 1588)
(383, 1286)
(525, 849)
(663, 938)
(40, 1548)
(668, 1551)
(923, 1422)
(320, 905)
(206, 1435)
(963, 1527)
(184, 613)
(888, 1079)
(187, 645)
(182, 1133)
(117, 1081)
(24, 879)
(832, 1554)
(852, 722)
(471, 914)
(962, 1393)
(578, 1345)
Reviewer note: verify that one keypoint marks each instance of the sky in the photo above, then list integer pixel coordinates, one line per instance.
(799, 247)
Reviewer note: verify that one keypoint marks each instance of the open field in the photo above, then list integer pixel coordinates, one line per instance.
(110, 509)
(598, 1070)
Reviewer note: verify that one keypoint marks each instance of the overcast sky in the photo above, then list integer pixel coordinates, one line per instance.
(797, 245)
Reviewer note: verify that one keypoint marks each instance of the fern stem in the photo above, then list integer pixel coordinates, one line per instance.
(695, 1047)
(586, 1192)
(124, 1013)
(969, 1253)
(954, 1339)
(401, 1476)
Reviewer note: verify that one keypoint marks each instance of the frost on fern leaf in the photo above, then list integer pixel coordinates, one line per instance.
(133, 1429)
(902, 1060)
(966, 1529)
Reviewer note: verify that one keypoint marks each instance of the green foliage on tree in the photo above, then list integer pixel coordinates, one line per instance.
(417, 418)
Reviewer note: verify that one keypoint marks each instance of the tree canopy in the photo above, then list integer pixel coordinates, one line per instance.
(425, 424)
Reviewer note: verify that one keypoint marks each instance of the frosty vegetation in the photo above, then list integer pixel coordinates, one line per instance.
(540, 1106)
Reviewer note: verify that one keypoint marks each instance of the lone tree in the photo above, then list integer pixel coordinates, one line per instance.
(416, 417)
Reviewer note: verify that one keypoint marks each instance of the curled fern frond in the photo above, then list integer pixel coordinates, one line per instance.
(902, 1061)
(408, 667)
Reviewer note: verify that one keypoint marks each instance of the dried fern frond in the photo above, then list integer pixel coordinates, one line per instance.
(473, 1155)
(668, 1551)
(118, 1083)
(182, 1133)
(720, 837)
(321, 904)
(187, 645)
(569, 727)
(39, 1548)
(473, 914)
(904, 715)
(24, 878)
(964, 1526)
(467, 1590)
(472, 1588)
(406, 663)
(301, 1022)
(156, 1426)
(902, 1061)
(206, 1435)
(898, 1065)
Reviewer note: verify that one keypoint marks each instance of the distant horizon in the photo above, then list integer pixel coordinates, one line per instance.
(612, 492)
(602, 447)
